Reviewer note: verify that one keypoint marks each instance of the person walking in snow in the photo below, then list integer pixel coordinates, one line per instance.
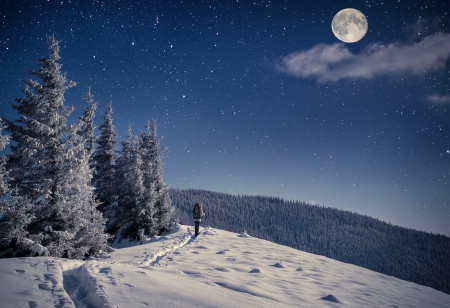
(197, 213)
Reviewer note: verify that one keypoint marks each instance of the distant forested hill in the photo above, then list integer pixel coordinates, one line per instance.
(416, 256)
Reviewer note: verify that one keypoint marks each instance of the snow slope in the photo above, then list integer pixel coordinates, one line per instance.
(216, 269)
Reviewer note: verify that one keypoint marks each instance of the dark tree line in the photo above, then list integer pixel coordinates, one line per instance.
(62, 186)
(411, 255)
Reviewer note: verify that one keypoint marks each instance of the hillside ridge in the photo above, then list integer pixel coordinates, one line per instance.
(411, 255)
(216, 269)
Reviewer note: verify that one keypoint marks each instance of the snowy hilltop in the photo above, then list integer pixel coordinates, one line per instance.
(340, 235)
(216, 269)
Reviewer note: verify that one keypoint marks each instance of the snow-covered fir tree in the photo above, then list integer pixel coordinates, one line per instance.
(77, 194)
(156, 189)
(147, 209)
(49, 165)
(4, 140)
(128, 182)
(16, 216)
(88, 127)
(15, 213)
(140, 214)
(144, 205)
(104, 160)
(38, 135)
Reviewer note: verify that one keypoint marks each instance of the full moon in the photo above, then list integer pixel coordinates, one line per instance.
(349, 25)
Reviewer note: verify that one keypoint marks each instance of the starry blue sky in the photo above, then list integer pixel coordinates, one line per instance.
(259, 97)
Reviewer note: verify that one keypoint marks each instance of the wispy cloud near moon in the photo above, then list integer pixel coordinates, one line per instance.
(439, 99)
(328, 63)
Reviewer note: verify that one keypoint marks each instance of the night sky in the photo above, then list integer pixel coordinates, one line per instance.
(259, 97)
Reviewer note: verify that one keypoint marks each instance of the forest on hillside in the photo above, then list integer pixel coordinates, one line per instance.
(411, 255)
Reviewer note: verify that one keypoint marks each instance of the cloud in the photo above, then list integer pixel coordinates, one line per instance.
(328, 63)
(439, 99)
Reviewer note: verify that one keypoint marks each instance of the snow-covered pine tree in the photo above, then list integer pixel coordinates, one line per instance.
(128, 219)
(104, 161)
(40, 131)
(4, 140)
(77, 193)
(124, 194)
(143, 146)
(156, 190)
(144, 223)
(141, 211)
(87, 130)
(48, 162)
(15, 215)
(143, 206)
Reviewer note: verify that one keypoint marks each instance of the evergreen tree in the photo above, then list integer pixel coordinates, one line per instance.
(86, 232)
(39, 134)
(156, 189)
(139, 207)
(88, 127)
(144, 204)
(129, 185)
(49, 164)
(123, 193)
(144, 143)
(16, 216)
(4, 140)
(104, 158)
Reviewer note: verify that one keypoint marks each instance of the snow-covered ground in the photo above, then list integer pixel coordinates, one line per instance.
(216, 269)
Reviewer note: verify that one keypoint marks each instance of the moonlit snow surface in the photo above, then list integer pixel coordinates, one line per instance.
(349, 25)
(216, 269)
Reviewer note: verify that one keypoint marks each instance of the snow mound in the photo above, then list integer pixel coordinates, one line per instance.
(278, 265)
(154, 238)
(331, 298)
(39, 249)
(244, 234)
(124, 243)
(255, 271)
